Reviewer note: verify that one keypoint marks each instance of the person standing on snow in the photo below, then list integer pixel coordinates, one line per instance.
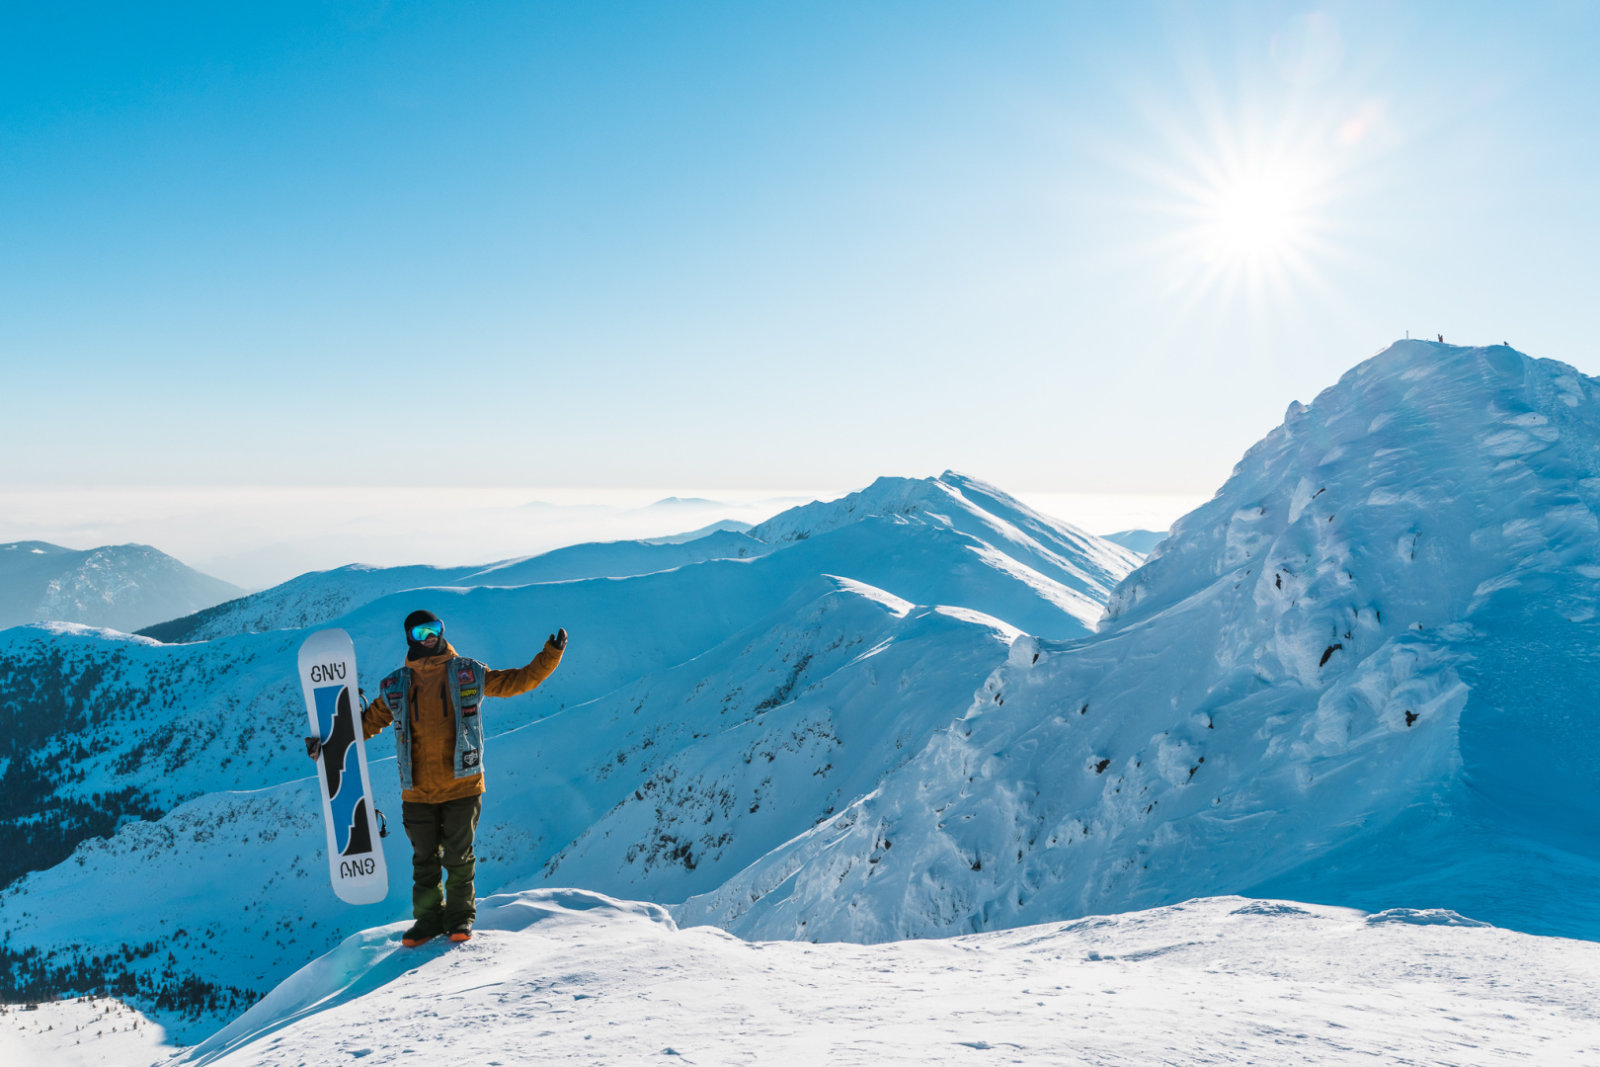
(433, 703)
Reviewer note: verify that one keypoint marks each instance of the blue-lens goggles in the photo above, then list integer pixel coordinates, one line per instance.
(424, 630)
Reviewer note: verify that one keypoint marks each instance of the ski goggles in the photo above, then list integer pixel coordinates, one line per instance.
(424, 630)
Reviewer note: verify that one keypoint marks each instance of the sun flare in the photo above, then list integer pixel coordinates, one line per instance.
(1249, 224)
(1245, 209)
(1257, 219)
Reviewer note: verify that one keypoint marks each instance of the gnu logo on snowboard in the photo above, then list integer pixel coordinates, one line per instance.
(470, 759)
(327, 672)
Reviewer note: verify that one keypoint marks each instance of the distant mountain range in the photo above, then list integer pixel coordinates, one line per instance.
(122, 587)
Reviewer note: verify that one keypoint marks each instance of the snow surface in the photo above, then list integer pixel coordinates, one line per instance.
(81, 1032)
(571, 977)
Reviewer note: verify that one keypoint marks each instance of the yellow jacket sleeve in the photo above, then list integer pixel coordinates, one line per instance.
(520, 680)
(375, 717)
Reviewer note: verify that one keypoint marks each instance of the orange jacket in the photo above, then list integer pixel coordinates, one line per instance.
(433, 725)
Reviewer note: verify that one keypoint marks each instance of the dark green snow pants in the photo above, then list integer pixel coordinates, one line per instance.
(441, 836)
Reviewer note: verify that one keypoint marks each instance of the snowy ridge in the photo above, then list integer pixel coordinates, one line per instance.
(1075, 570)
(1331, 683)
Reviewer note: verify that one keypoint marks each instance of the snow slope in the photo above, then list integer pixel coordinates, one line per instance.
(573, 977)
(703, 715)
(1361, 674)
(119, 586)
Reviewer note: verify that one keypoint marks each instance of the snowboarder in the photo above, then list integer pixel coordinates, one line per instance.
(439, 748)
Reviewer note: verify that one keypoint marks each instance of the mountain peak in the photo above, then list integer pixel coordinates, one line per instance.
(1361, 673)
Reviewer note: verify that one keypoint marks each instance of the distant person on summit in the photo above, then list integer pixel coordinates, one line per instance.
(439, 741)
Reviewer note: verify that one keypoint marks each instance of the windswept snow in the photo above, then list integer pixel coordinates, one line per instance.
(572, 977)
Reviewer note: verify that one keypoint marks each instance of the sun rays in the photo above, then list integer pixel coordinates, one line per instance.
(1241, 191)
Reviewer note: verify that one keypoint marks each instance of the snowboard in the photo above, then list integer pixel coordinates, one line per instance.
(355, 855)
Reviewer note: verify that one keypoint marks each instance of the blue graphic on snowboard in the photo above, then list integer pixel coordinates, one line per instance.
(336, 724)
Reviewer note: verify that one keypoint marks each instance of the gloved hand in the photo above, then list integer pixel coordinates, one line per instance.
(313, 746)
(558, 640)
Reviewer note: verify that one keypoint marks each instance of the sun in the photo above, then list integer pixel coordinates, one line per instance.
(1248, 222)
(1241, 206)
(1257, 220)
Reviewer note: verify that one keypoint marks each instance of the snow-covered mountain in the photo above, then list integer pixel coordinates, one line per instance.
(122, 587)
(772, 689)
(1363, 673)
(1141, 541)
(1359, 675)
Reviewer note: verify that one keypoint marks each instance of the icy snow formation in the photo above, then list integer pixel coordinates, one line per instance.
(1363, 673)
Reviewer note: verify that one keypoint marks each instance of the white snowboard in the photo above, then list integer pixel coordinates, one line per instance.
(355, 855)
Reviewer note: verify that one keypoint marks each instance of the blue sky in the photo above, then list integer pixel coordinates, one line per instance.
(1066, 247)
